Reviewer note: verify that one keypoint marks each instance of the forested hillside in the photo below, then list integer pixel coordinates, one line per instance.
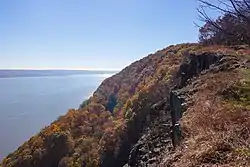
(183, 106)
(106, 126)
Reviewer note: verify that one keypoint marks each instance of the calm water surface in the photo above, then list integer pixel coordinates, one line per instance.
(27, 104)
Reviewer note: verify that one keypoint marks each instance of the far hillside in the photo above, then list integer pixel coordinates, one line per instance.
(43, 73)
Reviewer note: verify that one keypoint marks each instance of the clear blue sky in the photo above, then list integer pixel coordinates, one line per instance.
(95, 34)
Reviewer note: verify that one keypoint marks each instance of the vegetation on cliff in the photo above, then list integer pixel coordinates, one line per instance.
(230, 28)
(82, 136)
(215, 126)
(93, 135)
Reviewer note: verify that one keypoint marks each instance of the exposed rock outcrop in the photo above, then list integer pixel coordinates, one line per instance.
(159, 111)
(164, 133)
(154, 141)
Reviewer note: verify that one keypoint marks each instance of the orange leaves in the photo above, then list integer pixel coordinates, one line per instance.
(55, 128)
(93, 128)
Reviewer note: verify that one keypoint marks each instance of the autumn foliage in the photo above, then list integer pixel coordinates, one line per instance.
(230, 28)
(113, 115)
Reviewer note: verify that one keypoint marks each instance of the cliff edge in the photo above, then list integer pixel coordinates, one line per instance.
(185, 105)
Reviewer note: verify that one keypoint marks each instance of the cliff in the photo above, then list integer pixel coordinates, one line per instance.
(185, 105)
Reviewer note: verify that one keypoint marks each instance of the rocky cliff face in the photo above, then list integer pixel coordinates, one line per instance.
(164, 133)
(185, 105)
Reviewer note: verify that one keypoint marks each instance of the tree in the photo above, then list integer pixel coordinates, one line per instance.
(231, 28)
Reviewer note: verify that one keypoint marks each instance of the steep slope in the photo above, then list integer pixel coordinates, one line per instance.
(209, 109)
(129, 118)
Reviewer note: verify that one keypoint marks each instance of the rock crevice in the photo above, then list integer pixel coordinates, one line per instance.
(163, 133)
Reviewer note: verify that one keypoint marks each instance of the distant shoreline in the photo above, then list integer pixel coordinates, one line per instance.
(11, 73)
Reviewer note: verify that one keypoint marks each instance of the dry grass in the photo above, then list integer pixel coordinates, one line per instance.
(92, 129)
(217, 131)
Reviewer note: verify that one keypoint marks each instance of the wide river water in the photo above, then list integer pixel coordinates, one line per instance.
(27, 104)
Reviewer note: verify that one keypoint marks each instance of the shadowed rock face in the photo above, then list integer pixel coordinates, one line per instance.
(155, 140)
(111, 103)
(163, 133)
(193, 64)
(133, 117)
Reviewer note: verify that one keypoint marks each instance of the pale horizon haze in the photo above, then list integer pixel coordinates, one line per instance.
(90, 34)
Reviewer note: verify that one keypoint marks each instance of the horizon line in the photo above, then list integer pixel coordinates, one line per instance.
(69, 69)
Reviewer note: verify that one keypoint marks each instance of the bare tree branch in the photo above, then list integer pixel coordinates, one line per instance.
(207, 18)
(230, 28)
(233, 9)
(216, 7)
(247, 4)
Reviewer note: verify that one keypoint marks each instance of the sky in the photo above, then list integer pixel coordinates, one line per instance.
(90, 34)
